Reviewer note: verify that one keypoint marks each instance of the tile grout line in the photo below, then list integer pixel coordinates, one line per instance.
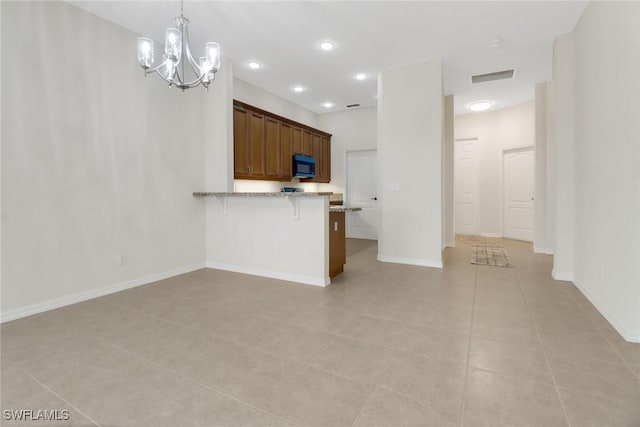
(466, 369)
(191, 380)
(615, 350)
(364, 403)
(544, 352)
(75, 408)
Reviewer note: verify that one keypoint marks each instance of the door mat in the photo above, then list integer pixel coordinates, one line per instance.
(490, 255)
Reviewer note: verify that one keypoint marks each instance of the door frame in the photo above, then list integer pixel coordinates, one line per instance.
(506, 151)
(346, 180)
(476, 213)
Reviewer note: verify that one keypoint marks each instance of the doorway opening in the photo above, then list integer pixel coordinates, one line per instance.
(362, 191)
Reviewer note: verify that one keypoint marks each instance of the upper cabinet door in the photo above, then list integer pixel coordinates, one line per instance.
(257, 144)
(296, 134)
(307, 144)
(286, 150)
(240, 142)
(273, 168)
(325, 169)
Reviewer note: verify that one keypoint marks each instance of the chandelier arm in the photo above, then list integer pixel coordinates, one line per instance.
(195, 82)
(178, 77)
(151, 70)
(171, 82)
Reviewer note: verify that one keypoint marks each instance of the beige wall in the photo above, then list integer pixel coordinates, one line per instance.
(540, 232)
(496, 131)
(410, 127)
(97, 162)
(253, 95)
(351, 130)
(604, 145)
(448, 238)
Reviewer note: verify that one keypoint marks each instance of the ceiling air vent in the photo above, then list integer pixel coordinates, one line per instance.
(498, 75)
(353, 105)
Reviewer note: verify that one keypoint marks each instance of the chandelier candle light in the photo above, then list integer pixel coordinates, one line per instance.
(177, 58)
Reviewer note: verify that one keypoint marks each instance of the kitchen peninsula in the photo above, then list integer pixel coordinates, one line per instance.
(281, 235)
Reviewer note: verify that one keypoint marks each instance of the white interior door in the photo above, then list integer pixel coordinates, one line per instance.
(465, 186)
(362, 193)
(518, 185)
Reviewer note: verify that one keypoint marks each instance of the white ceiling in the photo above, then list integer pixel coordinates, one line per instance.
(370, 37)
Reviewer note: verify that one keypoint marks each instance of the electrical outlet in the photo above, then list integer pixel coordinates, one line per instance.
(123, 259)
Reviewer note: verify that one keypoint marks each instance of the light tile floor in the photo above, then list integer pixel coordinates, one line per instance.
(384, 345)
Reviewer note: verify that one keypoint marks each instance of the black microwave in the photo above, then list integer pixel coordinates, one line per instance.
(304, 166)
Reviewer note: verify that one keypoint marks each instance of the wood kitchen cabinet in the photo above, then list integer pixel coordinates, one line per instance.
(241, 142)
(286, 149)
(307, 143)
(273, 158)
(297, 140)
(337, 243)
(249, 143)
(322, 154)
(264, 143)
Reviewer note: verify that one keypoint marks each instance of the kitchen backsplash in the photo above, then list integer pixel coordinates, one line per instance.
(242, 185)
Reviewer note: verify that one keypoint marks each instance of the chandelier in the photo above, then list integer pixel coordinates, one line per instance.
(178, 67)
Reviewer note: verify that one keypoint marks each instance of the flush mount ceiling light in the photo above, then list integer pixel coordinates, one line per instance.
(254, 65)
(327, 104)
(480, 105)
(298, 88)
(326, 45)
(360, 76)
(177, 59)
(497, 42)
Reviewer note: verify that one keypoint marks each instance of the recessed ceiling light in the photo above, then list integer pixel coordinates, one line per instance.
(360, 76)
(326, 45)
(254, 65)
(327, 104)
(480, 105)
(298, 88)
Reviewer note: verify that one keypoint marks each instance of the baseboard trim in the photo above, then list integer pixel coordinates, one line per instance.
(545, 251)
(567, 277)
(307, 280)
(629, 336)
(29, 310)
(494, 235)
(411, 261)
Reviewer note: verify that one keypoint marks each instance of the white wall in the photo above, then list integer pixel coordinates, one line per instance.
(97, 161)
(563, 151)
(540, 233)
(253, 95)
(511, 127)
(605, 51)
(448, 238)
(410, 118)
(273, 243)
(351, 130)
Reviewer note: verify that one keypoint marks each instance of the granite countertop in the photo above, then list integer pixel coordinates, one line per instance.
(343, 209)
(274, 194)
